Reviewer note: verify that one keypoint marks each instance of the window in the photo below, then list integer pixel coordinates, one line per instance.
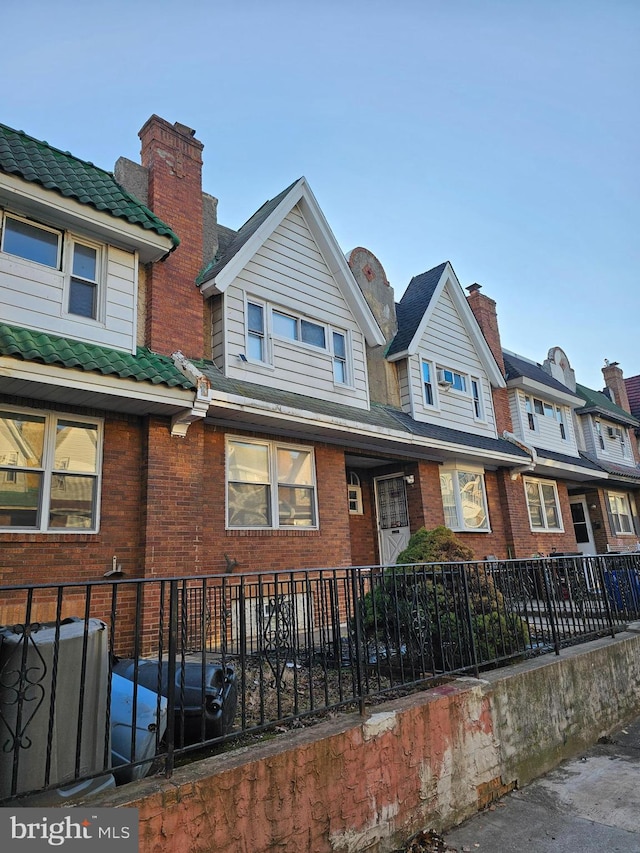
(354, 494)
(453, 379)
(31, 242)
(51, 467)
(83, 280)
(255, 331)
(531, 418)
(297, 329)
(599, 435)
(534, 407)
(543, 505)
(340, 373)
(464, 499)
(270, 485)
(427, 383)
(620, 514)
(560, 419)
(476, 393)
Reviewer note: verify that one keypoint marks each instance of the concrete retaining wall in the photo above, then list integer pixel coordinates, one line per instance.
(426, 761)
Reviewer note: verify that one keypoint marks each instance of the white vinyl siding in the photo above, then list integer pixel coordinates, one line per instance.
(446, 344)
(289, 274)
(547, 434)
(617, 448)
(34, 296)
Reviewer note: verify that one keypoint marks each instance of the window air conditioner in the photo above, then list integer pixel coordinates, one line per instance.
(613, 432)
(443, 382)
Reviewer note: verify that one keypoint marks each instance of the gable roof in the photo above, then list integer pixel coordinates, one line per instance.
(599, 403)
(218, 275)
(412, 306)
(40, 163)
(144, 366)
(416, 307)
(533, 378)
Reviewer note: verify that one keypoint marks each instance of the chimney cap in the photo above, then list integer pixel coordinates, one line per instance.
(183, 128)
(473, 288)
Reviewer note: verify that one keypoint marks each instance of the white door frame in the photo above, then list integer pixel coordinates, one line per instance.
(589, 547)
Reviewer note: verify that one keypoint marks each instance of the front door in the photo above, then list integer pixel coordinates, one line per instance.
(582, 525)
(393, 517)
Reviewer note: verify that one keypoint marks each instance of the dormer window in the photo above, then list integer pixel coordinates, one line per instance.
(297, 329)
(83, 281)
(31, 242)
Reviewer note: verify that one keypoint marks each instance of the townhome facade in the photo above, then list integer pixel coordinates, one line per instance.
(178, 397)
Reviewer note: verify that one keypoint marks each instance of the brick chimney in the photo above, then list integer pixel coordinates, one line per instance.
(614, 382)
(173, 157)
(484, 310)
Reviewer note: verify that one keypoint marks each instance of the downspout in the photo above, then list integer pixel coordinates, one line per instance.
(181, 422)
(529, 466)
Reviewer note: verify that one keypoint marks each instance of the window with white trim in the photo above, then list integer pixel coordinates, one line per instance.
(455, 380)
(298, 329)
(543, 504)
(464, 499)
(354, 494)
(256, 339)
(340, 363)
(51, 467)
(427, 383)
(80, 261)
(620, 513)
(599, 436)
(270, 485)
(534, 406)
(476, 396)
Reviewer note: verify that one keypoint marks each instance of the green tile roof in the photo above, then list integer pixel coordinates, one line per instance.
(144, 366)
(60, 171)
(598, 400)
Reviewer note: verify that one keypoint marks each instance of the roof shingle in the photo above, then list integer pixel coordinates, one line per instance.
(410, 310)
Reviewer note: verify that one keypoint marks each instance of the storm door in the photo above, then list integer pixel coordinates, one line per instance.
(393, 517)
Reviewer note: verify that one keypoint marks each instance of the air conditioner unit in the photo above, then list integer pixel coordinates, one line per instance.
(443, 382)
(613, 432)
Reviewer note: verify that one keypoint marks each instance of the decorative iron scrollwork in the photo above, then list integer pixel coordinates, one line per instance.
(21, 686)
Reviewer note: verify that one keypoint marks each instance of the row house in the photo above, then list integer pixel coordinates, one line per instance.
(177, 397)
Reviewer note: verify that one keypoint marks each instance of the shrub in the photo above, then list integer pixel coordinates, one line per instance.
(439, 545)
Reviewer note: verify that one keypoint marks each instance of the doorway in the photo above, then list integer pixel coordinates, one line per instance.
(582, 525)
(393, 517)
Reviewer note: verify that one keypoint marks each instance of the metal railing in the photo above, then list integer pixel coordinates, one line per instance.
(104, 682)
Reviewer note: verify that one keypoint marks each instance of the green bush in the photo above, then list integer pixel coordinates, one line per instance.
(421, 611)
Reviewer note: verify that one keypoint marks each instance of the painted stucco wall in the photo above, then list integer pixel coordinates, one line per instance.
(425, 761)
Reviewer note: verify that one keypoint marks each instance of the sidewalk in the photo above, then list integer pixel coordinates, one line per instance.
(589, 804)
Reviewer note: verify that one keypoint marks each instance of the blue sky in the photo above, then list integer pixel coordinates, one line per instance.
(501, 135)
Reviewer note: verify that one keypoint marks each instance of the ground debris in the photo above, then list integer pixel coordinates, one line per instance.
(426, 841)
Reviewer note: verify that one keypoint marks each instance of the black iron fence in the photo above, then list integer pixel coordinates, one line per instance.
(102, 683)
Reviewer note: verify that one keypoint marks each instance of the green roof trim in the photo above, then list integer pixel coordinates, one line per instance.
(598, 400)
(60, 171)
(144, 366)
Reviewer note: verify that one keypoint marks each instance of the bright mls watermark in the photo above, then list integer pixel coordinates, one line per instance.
(77, 829)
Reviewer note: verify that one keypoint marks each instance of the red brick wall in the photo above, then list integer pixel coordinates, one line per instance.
(174, 305)
(276, 549)
(40, 557)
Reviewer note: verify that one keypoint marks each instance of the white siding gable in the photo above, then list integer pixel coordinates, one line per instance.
(616, 440)
(447, 344)
(546, 433)
(289, 274)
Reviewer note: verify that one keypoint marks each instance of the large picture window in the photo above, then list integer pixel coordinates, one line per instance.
(270, 485)
(543, 505)
(49, 472)
(464, 499)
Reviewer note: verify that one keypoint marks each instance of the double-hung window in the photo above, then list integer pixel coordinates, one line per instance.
(83, 279)
(50, 466)
(270, 485)
(464, 499)
(620, 513)
(340, 366)
(427, 383)
(476, 395)
(256, 339)
(543, 505)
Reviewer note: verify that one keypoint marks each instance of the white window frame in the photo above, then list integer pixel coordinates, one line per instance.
(544, 527)
(615, 515)
(477, 402)
(264, 338)
(272, 484)
(453, 472)
(431, 383)
(464, 377)
(354, 494)
(298, 319)
(4, 215)
(335, 359)
(597, 432)
(71, 242)
(49, 472)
